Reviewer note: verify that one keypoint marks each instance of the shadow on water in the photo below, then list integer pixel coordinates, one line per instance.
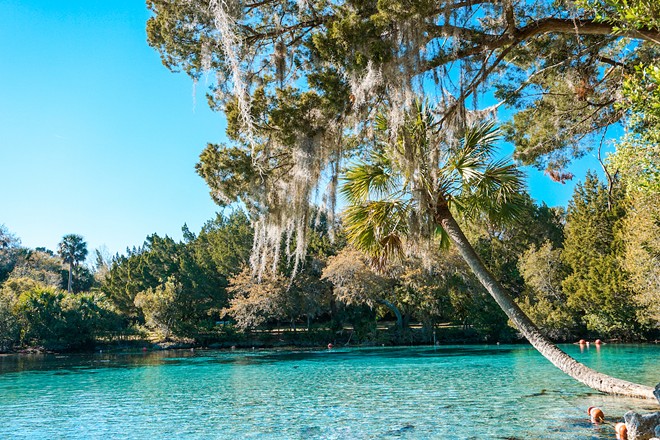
(81, 362)
(385, 352)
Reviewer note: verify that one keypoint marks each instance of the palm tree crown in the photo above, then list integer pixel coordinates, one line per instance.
(414, 170)
(73, 250)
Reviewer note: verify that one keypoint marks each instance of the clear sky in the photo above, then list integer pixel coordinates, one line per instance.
(98, 138)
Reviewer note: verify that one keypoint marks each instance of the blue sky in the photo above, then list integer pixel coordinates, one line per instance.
(98, 138)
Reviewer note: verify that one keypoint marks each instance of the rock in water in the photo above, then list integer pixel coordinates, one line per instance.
(641, 426)
(656, 393)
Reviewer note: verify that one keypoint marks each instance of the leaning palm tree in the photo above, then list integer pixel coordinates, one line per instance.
(404, 198)
(73, 250)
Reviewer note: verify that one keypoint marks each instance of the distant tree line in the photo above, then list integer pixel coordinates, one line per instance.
(588, 271)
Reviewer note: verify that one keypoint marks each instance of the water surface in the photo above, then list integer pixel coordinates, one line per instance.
(450, 392)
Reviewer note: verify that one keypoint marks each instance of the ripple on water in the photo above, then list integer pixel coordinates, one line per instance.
(505, 392)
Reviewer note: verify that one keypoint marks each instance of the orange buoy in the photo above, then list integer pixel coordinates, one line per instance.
(597, 342)
(621, 431)
(330, 346)
(596, 414)
(582, 342)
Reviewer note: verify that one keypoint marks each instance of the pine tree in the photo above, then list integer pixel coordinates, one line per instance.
(597, 287)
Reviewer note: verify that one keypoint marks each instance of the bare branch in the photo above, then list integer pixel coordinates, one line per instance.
(538, 27)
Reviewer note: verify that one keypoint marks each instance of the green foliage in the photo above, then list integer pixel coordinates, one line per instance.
(502, 245)
(625, 14)
(394, 196)
(179, 289)
(9, 326)
(637, 160)
(89, 316)
(161, 307)
(598, 286)
(123, 282)
(41, 316)
(589, 229)
(10, 317)
(551, 132)
(140, 270)
(642, 91)
(543, 271)
(169, 31)
(636, 157)
(40, 266)
(601, 292)
(429, 290)
(229, 172)
(224, 244)
(357, 21)
(640, 234)
(556, 320)
(57, 320)
(9, 252)
(543, 300)
(187, 280)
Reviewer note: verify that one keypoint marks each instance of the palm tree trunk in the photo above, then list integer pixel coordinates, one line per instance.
(547, 348)
(70, 277)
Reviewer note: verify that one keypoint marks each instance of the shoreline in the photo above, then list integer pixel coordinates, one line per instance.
(148, 346)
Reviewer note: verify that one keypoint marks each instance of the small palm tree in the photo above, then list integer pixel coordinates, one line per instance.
(73, 250)
(406, 193)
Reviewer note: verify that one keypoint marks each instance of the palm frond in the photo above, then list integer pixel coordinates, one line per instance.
(392, 195)
(481, 138)
(477, 147)
(365, 179)
(382, 125)
(378, 228)
(442, 237)
(498, 192)
(506, 176)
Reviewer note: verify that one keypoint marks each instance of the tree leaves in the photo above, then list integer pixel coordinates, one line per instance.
(392, 196)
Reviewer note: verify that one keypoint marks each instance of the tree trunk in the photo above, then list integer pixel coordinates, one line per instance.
(395, 310)
(68, 289)
(547, 348)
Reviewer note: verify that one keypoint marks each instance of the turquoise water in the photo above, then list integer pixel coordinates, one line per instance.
(453, 392)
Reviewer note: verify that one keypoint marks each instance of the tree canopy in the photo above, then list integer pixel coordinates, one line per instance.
(301, 83)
